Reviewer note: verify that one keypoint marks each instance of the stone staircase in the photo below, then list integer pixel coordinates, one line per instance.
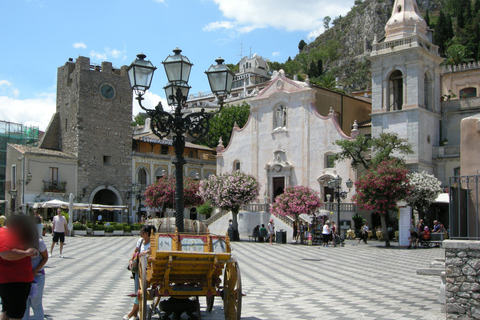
(437, 268)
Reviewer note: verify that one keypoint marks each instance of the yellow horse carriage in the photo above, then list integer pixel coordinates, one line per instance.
(186, 265)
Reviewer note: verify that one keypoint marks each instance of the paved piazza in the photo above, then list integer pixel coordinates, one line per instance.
(280, 281)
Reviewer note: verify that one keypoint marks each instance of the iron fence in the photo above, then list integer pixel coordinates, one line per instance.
(464, 210)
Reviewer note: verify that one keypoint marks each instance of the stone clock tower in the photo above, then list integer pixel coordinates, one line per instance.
(406, 84)
(93, 122)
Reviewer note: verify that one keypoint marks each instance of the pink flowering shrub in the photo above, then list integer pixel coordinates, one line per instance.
(161, 194)
(229, 190)
(295, 201)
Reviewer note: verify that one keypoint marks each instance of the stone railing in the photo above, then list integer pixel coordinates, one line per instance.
(256, 207)
(462, 263)
(461, 67)
(410, 41)
(344, 207)
(215, 217)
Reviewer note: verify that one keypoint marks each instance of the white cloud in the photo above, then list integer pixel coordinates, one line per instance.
(6, 88)
(219, 25)
(108, 54)
(276, 54)
(36, 112)
(305, 15)
(314, 34)
(79, 45)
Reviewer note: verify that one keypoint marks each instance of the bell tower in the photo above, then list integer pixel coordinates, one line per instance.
(406, 84)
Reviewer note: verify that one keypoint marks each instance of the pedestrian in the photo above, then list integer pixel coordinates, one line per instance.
(326, 234)
(59, 228)
(295, 231)
(38, 261)
(18, 240)
(271, 230)
(364, 232)
(141, 249)
(39, 221)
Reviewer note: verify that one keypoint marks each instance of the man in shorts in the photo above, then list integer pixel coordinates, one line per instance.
(59, 228)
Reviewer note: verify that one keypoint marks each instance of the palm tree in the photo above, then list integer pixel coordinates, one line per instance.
(457, 54)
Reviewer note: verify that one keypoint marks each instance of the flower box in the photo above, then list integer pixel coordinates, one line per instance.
(80, 232)
(118, 232)
(135, 232)
(108, 234)
(98, 232)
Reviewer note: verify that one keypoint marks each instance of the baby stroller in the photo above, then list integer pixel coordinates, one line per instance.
(338, 241)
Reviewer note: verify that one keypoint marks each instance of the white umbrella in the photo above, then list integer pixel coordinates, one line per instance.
(70, 213)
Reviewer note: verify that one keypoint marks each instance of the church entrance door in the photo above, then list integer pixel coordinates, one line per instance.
(278, 186)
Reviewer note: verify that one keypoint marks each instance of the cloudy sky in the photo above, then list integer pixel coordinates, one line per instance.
(38, 36)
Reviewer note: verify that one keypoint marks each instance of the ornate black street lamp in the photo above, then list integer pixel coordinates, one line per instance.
(177, 68)
(336, 185)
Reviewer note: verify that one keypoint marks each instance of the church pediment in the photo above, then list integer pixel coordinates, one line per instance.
(281, 84)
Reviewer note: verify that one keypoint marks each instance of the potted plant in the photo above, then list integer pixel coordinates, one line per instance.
(108, 231)
(118, 229)
(79, 229)
(98, 230)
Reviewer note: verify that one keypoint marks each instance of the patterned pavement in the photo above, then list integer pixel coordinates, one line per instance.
(280, 281)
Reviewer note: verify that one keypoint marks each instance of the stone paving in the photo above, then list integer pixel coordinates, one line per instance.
(281, 281)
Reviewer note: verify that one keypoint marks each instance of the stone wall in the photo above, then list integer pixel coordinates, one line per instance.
(462, 263)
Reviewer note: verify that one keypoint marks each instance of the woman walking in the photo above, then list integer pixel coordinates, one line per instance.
(326, 234)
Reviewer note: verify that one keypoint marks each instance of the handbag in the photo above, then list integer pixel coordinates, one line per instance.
(135, 260)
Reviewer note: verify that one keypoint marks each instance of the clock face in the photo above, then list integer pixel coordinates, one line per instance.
(107, 91)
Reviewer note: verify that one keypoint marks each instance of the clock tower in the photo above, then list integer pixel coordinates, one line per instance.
(93, 120)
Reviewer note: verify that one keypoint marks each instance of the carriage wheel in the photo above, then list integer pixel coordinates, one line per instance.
(232, 291)
(210, 301)
(144, 312)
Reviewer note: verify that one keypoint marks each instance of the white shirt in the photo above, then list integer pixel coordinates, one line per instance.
(144, 247)
(326, 229)
(59, 223)
(270, 227)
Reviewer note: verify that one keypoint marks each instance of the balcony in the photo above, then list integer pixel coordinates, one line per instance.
(54, 186)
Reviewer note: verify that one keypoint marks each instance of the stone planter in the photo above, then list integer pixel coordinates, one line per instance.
(98, 232)
(135, 232)
(127, 233)
(108, 234)
(80, 232)
(118, 232)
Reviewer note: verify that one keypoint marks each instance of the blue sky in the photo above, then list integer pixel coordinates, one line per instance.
(38, 36)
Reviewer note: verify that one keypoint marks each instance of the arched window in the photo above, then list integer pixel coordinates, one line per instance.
(160, 172)
(329, 162)
(208, 174)
(396, 91)
(468, 93)
(236, 165)
(194, 174)
(142, 176)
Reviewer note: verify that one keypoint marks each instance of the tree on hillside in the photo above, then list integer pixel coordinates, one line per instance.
(326, 80)
(425, 189)
(161, 194)
(312, 70)
(295, 201)
(326, 22)
(319, 67)
(221, 125)
(381, 188)
(230, 191)
(301, 45)
(382, 148)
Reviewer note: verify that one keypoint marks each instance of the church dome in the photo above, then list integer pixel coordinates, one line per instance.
(405, 20)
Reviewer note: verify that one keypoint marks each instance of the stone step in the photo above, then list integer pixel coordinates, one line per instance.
(437, 264)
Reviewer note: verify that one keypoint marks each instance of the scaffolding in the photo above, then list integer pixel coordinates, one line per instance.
(15, 133)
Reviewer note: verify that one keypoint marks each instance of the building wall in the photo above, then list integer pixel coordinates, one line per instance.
(470, 142)
(464, 76)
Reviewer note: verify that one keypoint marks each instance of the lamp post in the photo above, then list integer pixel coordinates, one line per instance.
(177, 68)
(137, 191)
(336, 185)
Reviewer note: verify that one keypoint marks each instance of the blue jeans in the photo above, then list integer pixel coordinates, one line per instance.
(36, 303)
(135, 300)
